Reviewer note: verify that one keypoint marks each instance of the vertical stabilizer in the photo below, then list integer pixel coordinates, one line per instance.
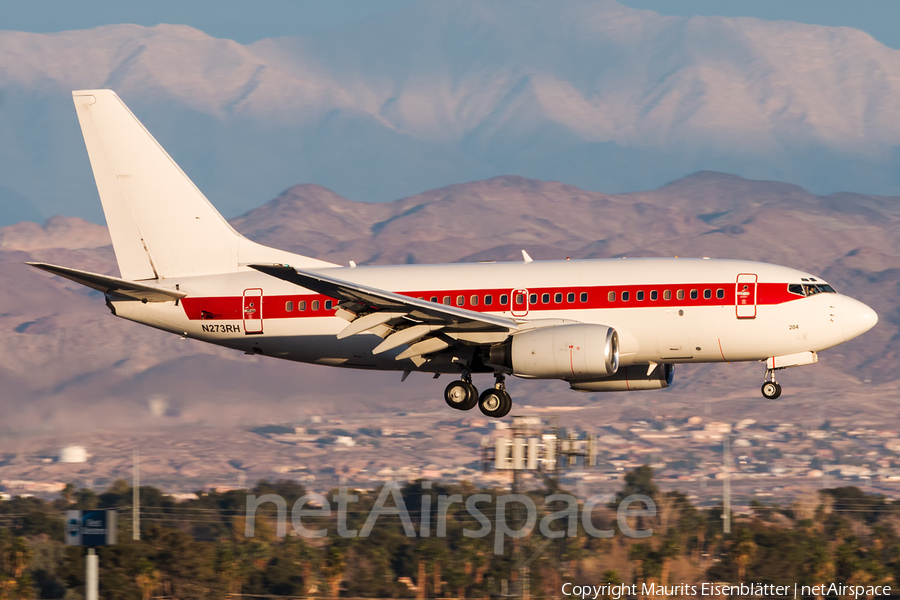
(160, 223)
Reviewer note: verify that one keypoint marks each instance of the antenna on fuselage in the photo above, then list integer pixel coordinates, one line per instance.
(527, 258)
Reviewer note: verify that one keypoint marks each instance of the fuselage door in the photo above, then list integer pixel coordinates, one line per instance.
(745, 296)
(518, 303)
(253, 317)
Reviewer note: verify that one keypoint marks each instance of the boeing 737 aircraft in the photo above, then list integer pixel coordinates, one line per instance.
(599, 325)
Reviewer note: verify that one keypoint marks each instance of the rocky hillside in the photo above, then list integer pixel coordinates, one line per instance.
(66, 361)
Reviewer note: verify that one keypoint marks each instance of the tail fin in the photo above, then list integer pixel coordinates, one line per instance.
(160, 223)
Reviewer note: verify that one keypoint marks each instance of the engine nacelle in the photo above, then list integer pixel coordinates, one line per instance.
(577, 351)
(629, 379)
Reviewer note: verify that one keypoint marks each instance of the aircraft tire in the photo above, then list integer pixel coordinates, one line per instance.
(771, 390)
(472, 400)
(494, 403)
(507, 403)
(459, 395)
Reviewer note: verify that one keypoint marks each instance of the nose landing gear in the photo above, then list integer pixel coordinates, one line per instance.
(770, 389)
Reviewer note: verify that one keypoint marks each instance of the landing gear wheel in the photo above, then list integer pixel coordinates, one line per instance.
(495, 403)
(461, 395)
(771, 390)
(473, 398)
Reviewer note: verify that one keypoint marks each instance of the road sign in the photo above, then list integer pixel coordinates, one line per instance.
(91, 527)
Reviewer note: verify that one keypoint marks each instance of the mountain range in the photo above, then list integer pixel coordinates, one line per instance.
(587, 92)
(66, 363)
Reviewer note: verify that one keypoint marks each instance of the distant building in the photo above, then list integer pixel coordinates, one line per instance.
(183, 497)
(39, 487)
(719, 428)
(73, 454)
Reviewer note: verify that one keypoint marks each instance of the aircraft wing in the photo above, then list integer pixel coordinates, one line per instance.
(424, 327)
(375, 299)
(114, 285)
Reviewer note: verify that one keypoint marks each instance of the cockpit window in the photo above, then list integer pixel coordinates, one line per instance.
(810, 289)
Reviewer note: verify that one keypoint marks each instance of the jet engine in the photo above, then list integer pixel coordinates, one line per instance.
(630, 378)
(577, 351)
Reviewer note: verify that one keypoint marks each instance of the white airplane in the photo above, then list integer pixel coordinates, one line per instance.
(600, 325)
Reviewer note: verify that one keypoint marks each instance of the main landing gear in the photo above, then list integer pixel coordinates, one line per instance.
(461, 394)
(771, 389)
(493, 402)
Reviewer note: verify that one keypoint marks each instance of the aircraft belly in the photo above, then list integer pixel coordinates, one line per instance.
(310, 340)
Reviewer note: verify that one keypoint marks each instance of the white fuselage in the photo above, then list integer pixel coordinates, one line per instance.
(677, 310)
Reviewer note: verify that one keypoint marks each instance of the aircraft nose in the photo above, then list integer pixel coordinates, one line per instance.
(856, 318)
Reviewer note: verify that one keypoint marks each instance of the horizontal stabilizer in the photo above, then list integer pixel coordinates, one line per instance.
(113, 285)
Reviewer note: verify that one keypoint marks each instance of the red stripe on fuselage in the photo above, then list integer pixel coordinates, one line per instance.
(598, 297)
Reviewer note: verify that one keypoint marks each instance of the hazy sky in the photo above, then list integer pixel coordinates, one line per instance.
(249, 21)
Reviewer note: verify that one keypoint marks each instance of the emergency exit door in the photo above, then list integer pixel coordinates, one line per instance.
(745, 296)
(518, 303)
(253, 317)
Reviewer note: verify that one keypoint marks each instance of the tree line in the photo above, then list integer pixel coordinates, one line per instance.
(197, 549)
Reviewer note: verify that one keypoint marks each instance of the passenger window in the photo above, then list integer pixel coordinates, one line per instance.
(640, 295)
(460, 300)
(488, 300)
(504, 299)
(570, 298)
(520, 298)
(624, 296)
(315, 305)
(301, 305)
(328, 304)
(473, 300)
(533, 299)
(447, 300)
(545, 298)
(611, 296)
(680, 294)
(694, 294)
(720, 293)
(654, 294)
(667, 295)
(707, 294)
(289, 306)
(584, 296)
(557, 298)
(434, 299)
